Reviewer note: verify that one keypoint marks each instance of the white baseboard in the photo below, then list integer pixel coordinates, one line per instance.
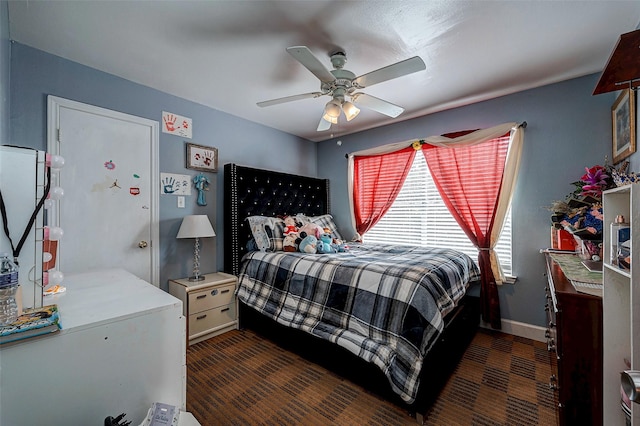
(520, 329)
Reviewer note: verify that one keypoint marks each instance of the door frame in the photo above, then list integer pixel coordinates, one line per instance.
(54, 104)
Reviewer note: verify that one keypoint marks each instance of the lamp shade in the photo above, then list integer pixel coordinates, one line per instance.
(196, 226)
(333, 108)
(350, 110)
(332, 120)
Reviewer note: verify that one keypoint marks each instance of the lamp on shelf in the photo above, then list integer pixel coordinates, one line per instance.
(196, 226)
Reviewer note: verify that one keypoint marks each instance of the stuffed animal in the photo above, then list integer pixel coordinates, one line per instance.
(340, 248)
(339, 245)
(290, 241)
(310, 229)
(290, 225)
(324, 244)
(308, 244)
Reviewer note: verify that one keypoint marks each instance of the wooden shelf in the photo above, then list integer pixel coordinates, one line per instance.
(623, 67)
(621, 306)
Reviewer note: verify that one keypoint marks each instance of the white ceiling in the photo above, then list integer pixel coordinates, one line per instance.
(228, 55)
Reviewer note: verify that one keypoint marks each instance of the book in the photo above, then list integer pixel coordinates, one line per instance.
(34, 322)
(587, 288)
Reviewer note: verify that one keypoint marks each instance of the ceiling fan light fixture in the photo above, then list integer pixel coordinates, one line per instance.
(350, 110)
(330, 119)
(333, 109)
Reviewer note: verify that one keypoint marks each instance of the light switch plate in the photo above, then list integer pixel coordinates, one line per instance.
(180, 202)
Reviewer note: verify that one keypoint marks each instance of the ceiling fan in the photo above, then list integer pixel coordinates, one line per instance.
(341, 85)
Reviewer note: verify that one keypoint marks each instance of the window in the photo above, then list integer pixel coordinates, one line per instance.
(418, 216)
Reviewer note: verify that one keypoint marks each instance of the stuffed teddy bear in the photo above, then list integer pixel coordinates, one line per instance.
(308, 244)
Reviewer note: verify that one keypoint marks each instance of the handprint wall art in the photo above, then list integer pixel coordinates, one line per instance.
(176, 124)
(174, 184)
(203, 158)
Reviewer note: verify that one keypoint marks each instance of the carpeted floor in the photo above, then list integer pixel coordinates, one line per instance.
(240, 378)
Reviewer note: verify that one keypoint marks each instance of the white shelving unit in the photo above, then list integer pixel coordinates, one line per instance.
(621, 305)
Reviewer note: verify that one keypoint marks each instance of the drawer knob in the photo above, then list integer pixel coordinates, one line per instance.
(224, 310)
(214, 292)
(224, 291)
(201, 296)
(201, 317)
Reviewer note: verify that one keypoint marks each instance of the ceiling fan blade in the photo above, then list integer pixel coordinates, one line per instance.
(323, 125)
(377, 104)
(303, 55)
(290, 99)
(396, 70)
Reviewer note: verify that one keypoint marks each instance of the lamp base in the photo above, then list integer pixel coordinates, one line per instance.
(198, 278)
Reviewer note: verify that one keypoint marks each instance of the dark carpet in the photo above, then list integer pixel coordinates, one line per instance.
(240, 378)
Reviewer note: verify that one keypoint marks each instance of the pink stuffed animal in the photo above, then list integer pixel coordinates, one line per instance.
(310, 229)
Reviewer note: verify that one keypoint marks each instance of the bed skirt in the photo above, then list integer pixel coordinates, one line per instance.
(460, 328)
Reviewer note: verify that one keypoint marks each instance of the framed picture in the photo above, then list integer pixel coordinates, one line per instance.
(203, 158)
(623, 117)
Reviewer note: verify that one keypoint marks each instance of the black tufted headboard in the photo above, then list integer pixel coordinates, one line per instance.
(253, 192)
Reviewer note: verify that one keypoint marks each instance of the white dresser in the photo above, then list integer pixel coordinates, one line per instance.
(122, 347)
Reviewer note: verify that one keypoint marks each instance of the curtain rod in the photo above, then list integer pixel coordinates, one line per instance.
(523, 125)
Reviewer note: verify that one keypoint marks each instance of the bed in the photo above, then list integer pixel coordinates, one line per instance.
(394, 319)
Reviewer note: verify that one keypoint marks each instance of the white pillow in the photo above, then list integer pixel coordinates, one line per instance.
(257, 225)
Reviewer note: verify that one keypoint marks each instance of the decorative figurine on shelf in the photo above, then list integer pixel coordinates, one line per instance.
(202, 184)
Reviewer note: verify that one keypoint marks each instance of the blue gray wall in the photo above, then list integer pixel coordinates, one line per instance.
(568, 129)
(36, 74)
(5, 66)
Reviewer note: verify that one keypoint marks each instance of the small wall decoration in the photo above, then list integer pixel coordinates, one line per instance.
(201, 183)
(176, 124)
(173, 184)
(624, 125)
(203, 158)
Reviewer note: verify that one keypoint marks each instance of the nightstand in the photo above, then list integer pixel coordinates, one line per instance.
(210, 305)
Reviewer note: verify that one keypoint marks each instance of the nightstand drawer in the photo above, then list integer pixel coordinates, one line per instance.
(210, 298)
(212, 318)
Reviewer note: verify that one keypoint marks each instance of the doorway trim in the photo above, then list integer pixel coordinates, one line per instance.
(54, 104)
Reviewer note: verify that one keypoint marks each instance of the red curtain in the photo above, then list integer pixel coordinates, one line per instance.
(469, 179)
(377, 180)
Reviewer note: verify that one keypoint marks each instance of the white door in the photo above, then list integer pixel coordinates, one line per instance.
(109, 211)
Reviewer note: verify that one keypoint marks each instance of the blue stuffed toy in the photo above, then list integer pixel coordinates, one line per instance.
(308, 245)
(325, 244)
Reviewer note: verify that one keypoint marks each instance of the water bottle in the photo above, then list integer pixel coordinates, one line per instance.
(8, 288)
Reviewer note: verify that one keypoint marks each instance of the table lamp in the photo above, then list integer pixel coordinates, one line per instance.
(196, 226)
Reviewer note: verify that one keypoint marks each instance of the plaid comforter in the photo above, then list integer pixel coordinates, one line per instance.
(385, 304)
